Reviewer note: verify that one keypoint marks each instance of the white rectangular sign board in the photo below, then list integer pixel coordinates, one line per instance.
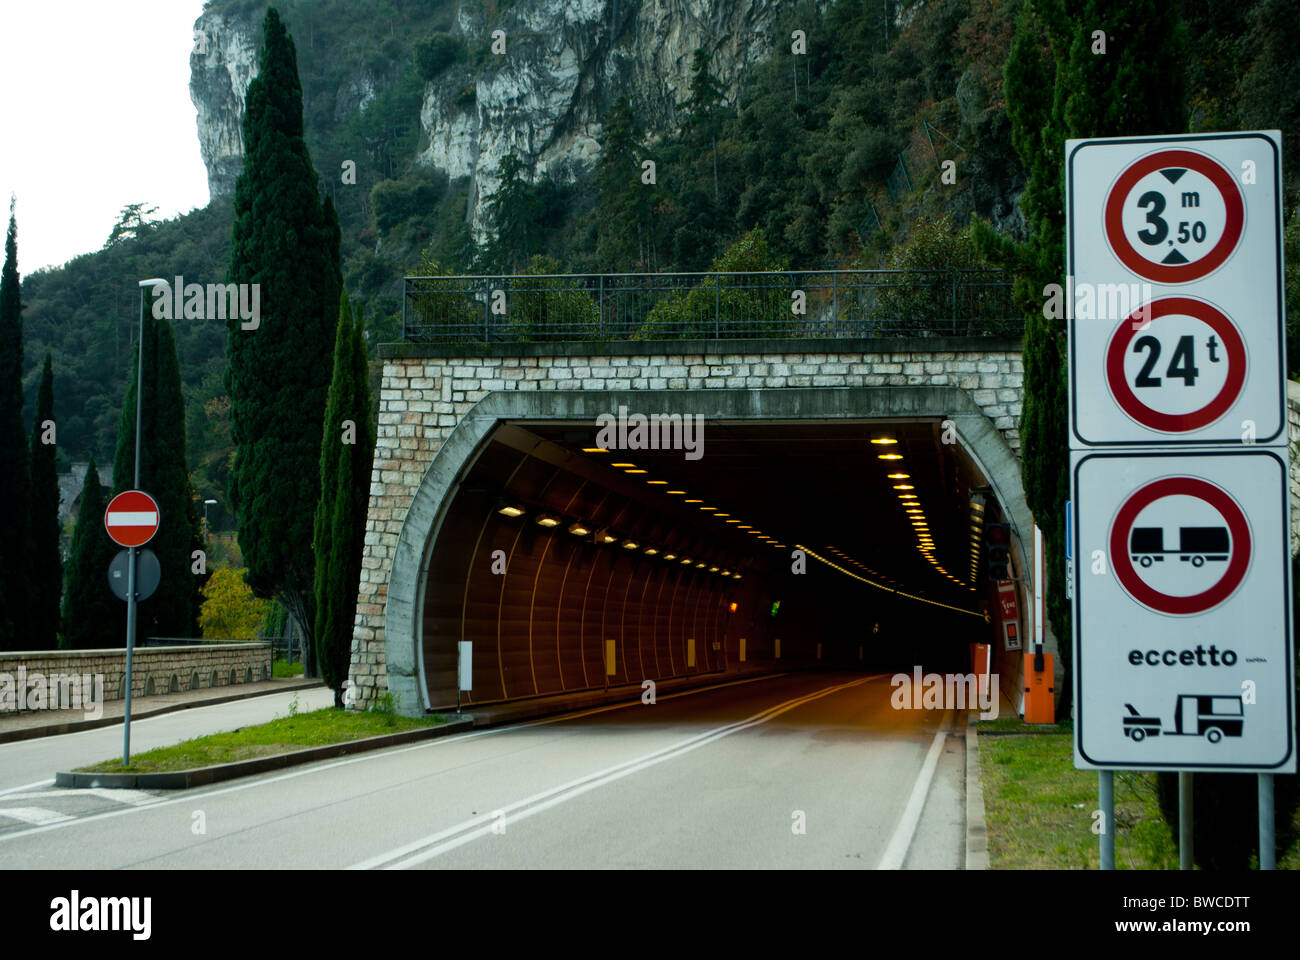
(1174, 290)
(1182, 617)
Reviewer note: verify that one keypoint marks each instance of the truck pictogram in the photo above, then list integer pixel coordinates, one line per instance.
(1195, 544)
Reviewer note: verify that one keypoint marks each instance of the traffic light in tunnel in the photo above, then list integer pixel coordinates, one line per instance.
(997, 550)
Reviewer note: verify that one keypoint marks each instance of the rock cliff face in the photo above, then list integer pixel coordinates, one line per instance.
(223, 62)
(565, 63)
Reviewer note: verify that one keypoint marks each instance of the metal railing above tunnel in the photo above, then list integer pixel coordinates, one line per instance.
(614, 307)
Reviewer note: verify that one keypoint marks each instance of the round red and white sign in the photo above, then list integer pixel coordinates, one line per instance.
(1180, 545)
(1174, 216)
(132, 518)
(1176, 365)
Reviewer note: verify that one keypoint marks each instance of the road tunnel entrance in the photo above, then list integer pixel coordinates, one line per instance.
(606, 547)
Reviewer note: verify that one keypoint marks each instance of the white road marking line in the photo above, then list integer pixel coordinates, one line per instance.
(27, 786)
(899, 843)
(192, 796)
(38, 815)
(446, 840)
(133, 797)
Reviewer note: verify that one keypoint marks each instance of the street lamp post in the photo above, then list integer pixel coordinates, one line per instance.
(132, 551)
(206, 504)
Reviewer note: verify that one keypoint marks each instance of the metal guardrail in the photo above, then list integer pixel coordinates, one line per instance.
(671, 306)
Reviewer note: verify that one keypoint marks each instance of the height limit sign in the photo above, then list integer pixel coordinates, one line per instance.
(1174, 290)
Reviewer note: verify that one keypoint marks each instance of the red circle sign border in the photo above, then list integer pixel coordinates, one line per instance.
(1233, 344)
(156, 509)
(1163, 602)
(1233, 204)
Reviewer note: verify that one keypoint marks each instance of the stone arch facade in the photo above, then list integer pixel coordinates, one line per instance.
(437, 412)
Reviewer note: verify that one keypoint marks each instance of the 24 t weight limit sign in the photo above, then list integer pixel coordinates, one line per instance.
(1199, 381)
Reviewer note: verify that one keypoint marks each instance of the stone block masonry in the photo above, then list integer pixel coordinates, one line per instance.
(427, 390)
(153, 669)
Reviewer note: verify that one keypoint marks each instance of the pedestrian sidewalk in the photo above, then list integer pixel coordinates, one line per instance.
(48, 723)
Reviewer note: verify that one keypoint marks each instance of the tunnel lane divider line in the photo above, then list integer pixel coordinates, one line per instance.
(880, 586)
(901, 841)
(450, 838)
(192, 796)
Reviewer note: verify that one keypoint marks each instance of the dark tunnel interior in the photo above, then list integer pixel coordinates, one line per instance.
(782, 545)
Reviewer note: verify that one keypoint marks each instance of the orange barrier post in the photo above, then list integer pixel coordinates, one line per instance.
(1040, 691)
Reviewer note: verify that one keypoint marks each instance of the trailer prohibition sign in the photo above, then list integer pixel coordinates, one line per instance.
(1182, 619)
(1212, 534)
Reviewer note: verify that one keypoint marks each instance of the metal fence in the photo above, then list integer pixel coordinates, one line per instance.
(669, 306)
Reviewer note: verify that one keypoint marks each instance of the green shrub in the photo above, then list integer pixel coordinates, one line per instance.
(436, 53)
(545, 310)
(762, 310)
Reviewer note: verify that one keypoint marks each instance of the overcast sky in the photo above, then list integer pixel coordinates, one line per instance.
(95, 113)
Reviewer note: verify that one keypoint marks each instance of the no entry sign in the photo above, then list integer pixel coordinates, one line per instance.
(132, 518)
(1182, 623)
(1173, 252)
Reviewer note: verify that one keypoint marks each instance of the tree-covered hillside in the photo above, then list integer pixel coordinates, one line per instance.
(834, 152)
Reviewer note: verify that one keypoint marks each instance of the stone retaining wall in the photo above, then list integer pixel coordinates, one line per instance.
(153, 669)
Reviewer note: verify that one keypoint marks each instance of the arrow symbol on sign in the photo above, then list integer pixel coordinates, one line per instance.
(1174, 174)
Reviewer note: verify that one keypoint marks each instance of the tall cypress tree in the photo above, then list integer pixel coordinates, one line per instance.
(1057, 88)
(13, 453)
(346, 456)
(173, 609)
(286, 240)
(46, 565)
(92, 617)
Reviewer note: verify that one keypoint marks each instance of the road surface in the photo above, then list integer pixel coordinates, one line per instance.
(802, 771)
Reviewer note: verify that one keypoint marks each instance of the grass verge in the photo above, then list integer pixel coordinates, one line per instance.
(1039, 809)
(282, 735)
(283, 668)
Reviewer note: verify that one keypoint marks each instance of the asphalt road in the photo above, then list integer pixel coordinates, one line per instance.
(811, 771)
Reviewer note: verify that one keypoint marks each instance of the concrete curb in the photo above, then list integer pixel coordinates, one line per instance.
(202, 776)
(977, 838)
(75, 726)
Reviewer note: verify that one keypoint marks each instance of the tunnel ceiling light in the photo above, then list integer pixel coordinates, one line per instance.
(676, 493)
(692, 501)
(883, 439)
(736, 576)
(723, 515)
(744, 526)
(686, 559)
(657, 483)
(594, 450)
(548, 520)
(701, 565)
(578, 530)
(907, 496)
(630, 544)
(636, 470)
(735, 521)
(900, 476)
(708, 508)
(977, 506)
(510, 510)
(889, 456)
(604, 536)
(651, 551)
(713, 569)
(670, 556)
(904, 486)
(622, 464)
